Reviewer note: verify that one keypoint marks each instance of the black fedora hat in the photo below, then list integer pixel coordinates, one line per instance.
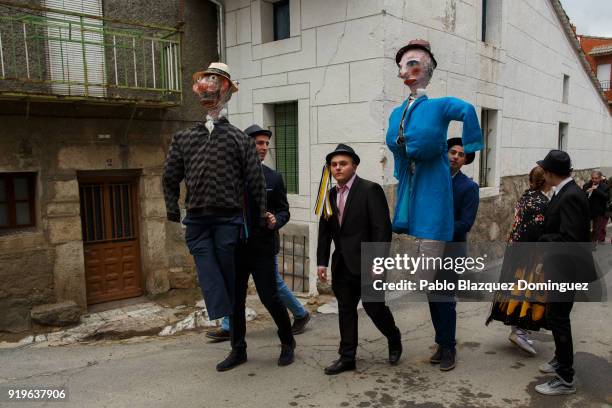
(416, 44)
(556, 161)
(255, 130)
(343, 149)
(457, 141)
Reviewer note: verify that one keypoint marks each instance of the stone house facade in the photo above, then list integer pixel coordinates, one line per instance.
(91, 92)
(331, 65)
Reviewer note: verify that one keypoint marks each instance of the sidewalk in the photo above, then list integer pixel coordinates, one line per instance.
(166, 316)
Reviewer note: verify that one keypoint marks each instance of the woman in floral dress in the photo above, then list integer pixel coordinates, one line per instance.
(520, 309)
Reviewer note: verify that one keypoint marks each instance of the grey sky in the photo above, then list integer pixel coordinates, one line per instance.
(591, 17)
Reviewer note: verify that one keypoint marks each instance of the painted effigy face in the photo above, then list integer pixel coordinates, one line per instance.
(213, 91)
(416, 69)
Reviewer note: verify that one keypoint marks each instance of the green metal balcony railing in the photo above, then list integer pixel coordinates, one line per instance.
(50, 53)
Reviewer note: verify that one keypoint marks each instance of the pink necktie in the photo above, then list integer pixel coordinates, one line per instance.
(341, 200)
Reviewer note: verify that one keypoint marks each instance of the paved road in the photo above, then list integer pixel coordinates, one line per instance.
(179, 371)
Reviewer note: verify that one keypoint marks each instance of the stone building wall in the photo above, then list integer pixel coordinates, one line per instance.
(45, 264)
(496, 214)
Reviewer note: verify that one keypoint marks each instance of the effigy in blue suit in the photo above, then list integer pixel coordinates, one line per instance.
(424, 200)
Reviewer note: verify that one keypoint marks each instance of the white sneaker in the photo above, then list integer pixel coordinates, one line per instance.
(550, 367)
(556, 386)
(519, 338)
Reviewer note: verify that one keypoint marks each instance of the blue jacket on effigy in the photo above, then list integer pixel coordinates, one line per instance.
(424, 200)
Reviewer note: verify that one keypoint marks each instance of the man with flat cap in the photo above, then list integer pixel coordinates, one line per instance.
(566, 220)
(442, 304)
(256, 256)
(360, 213)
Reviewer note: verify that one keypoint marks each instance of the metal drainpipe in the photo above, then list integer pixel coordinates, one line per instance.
(221, 28)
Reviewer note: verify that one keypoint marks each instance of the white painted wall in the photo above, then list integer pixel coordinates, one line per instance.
(339, 63)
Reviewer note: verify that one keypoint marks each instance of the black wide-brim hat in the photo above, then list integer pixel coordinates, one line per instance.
(457, 141)
(255, 130)
(556, 161)
(342, 149)
(416, 44)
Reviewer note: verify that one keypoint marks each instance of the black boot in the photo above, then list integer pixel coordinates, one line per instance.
(395, 349)
(287, 354)
(235, 358)
(340, 366)
(447, 361)
(437, 356)
(395, 352)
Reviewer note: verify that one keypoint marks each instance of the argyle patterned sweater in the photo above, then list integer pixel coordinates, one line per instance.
(216, 168)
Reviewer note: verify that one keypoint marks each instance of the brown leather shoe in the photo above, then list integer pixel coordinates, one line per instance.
(300, 324)
(218, 335)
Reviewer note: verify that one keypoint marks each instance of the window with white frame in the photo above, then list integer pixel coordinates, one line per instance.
(603, 75)
(275, 20)
(281, 20)
(565, 97)
(491, 22)
(562, 140)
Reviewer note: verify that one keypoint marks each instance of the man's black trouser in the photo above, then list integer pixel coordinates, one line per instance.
(252, 260)
(347, 288)
(558, 320)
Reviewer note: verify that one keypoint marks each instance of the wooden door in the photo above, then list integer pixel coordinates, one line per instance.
(110, 238)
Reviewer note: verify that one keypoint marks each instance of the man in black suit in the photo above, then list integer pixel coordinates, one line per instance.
(278, 212)
(256, 256)
(597, 192)
(566, 220)
(360, 214)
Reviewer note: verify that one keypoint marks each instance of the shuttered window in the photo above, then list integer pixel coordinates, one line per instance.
(76, 48)
(285, 133)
